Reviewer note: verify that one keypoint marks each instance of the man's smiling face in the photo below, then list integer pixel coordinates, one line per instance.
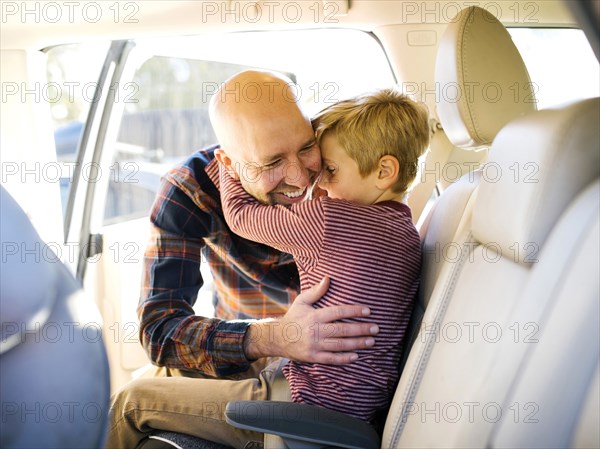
(283, 163)
(266, 140)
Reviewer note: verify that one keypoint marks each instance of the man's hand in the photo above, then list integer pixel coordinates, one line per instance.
(306, 334)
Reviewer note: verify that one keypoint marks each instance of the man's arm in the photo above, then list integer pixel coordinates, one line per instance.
(170, 331)
(306, 334)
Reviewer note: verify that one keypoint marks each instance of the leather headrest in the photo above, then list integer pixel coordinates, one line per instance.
(537, 165)
(481, 77)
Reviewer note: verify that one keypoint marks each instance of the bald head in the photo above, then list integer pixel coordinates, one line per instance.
(265, 137)
(247, 104)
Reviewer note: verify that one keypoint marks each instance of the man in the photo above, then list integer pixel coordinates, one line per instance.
(259, 123)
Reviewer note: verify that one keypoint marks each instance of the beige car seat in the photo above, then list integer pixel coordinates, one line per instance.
(494, 307)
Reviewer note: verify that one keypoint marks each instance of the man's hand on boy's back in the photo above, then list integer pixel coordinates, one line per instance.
(307, 334)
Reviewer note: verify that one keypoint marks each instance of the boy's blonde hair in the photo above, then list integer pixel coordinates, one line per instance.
(374, 125)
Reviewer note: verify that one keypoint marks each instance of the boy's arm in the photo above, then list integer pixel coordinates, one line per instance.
(297, 230)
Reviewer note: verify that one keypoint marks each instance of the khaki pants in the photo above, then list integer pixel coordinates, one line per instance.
(172, 400)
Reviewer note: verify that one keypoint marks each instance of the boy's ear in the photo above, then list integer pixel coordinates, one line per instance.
(388, 170)
(226, 161)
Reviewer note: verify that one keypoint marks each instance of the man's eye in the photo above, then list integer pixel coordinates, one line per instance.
(309, 148)
(271, 165)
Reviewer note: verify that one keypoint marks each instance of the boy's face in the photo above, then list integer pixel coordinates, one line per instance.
(341, 178)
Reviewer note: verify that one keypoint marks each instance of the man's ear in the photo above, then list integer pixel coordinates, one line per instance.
(388, 169)
(226, 162)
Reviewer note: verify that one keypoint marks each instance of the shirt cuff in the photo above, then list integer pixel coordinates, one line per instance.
(227, 344)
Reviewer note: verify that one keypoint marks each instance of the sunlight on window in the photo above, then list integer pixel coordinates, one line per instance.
(560, 62)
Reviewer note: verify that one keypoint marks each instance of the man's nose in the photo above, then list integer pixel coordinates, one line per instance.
(297, 174)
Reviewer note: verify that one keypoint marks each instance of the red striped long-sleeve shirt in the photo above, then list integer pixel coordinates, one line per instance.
(372, 254)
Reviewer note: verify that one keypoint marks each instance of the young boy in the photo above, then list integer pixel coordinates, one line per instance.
(360, 235)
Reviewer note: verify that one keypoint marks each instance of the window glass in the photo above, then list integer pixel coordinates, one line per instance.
(561, 64)
(72, 72)
(165, 119)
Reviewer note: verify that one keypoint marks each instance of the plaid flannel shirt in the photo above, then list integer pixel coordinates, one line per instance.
(251, 280)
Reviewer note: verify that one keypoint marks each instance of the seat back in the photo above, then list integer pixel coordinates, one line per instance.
(497, 248)
(482, 314)
(472, 275)
(476, 54)
(54, 378)
(557, 382)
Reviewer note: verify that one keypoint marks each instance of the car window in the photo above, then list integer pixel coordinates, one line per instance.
(561, 64)
(165, 119)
